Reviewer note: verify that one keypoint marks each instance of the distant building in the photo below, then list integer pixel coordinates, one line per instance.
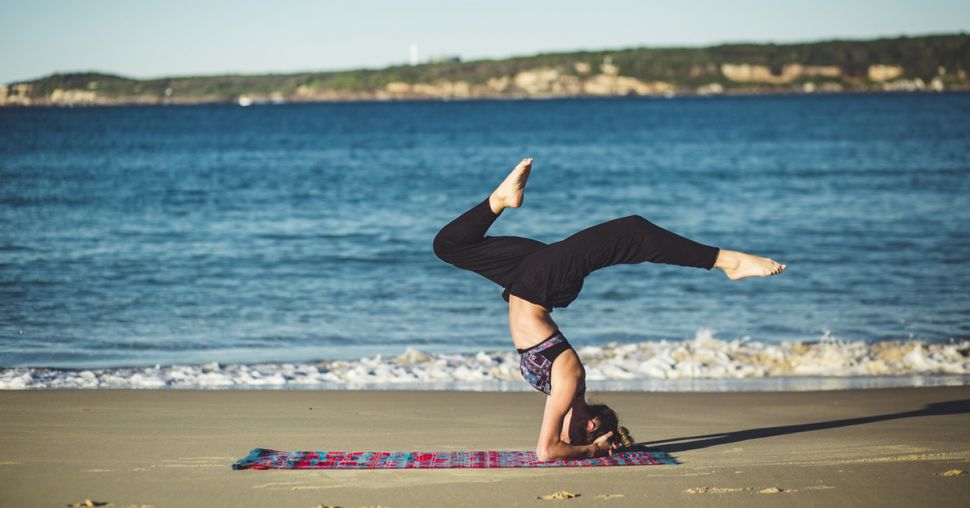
(414, 54)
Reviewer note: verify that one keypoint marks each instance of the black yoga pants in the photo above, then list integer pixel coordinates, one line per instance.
(552, 275)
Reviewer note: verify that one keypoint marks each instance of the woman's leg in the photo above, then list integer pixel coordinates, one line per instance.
(463, 242)
(634, 239)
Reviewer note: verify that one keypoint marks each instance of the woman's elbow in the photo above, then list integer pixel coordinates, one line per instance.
(544, 454)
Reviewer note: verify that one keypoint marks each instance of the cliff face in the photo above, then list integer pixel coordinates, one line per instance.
(539, 82)
(747, 73)
(906, 64)
(16, 95)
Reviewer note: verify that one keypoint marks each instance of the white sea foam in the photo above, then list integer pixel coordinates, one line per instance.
(703, 362)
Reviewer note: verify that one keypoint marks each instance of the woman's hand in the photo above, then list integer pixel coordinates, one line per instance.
(604, 446)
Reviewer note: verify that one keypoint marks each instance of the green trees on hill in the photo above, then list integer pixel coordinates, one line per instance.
(683, 68)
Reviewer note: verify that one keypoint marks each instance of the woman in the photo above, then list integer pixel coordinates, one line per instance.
(539, 277)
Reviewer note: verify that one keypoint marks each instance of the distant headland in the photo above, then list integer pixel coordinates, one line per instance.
(926, 63)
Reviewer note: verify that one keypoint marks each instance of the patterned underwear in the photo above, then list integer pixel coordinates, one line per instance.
(536, 362)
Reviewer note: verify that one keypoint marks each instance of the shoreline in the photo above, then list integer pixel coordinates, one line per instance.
(234, 101)
(791, 384)
(704, 363)
(902, 63)
(886, 447)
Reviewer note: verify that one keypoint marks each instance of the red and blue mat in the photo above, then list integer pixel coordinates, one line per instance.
(262, 458)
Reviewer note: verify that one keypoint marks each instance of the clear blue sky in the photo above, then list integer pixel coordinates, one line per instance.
(149, 39)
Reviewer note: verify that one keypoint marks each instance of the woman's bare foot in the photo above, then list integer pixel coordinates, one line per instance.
(511, 191)
(738, 265)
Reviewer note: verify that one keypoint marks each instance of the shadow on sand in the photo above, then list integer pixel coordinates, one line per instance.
(681, 444)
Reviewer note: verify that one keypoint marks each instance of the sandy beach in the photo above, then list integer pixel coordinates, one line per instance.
(888, 447)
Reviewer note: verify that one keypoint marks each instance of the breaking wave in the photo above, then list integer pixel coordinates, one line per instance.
(703, 362)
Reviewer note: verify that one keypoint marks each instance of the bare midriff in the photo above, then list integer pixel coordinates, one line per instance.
(529, 323)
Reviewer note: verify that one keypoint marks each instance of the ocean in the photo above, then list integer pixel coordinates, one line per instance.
(290, 245)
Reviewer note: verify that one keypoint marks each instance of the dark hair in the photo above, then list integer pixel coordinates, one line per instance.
(608, 423)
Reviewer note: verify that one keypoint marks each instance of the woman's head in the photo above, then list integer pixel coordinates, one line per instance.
(602, 419)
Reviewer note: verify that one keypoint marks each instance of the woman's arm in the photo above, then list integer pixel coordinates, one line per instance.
(551, 447)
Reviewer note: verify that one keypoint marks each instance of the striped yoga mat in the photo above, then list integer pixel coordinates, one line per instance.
(261, 458)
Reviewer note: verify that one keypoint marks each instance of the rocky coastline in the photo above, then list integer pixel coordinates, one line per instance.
(643, 72)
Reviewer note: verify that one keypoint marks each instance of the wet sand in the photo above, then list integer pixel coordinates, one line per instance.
(887, 447)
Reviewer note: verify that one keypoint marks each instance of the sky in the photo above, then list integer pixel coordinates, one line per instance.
(145, 39)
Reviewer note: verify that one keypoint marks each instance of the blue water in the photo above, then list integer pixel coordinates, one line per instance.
(144, 235)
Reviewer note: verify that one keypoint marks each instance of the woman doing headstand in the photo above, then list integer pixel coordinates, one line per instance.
(538, 277)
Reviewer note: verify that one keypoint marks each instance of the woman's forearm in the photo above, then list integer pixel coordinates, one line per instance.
(563, 451)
